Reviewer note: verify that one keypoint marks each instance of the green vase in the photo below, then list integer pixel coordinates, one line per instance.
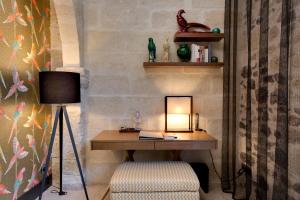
(184, 52)
(214, 59)
(216, 30)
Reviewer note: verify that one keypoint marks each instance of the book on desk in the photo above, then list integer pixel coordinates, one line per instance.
(155, 135)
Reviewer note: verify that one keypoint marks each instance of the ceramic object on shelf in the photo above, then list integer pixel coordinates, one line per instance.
(152, 50)
(184, 53)
(216, 30)
(166, 49)
(185, 26)
(214, 59)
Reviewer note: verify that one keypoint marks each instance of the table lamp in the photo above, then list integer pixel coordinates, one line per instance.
(60, 88)
(178, 114)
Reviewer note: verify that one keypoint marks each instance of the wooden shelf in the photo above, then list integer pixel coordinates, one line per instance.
(182, 64)
(198, 37)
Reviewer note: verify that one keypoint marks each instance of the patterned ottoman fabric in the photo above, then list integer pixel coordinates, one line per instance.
(159, 178)
(156, 196)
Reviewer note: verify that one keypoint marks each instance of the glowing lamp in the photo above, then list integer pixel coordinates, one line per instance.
(178, 114)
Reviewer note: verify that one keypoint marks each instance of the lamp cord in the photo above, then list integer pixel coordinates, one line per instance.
(239, 173)
(214, 166)
(55, 191)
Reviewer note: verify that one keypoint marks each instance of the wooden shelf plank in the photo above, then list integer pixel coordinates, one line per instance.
(198, 37)
(182, 64)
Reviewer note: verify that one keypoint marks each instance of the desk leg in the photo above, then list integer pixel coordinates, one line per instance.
(130, 155)
(176, 155)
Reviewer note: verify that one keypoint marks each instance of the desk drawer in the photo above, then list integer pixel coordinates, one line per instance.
(145, 145)
(185, 145)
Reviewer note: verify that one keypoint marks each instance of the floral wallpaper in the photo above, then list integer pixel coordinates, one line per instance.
(24, 123)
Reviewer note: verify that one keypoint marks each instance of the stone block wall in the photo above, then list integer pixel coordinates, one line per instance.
(115, 41)
(65, 57)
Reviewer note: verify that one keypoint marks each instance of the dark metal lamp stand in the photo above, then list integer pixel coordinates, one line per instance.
(61, 137)
(60, 112)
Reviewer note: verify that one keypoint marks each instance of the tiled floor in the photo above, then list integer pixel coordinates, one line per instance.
(215, 193)
(97, 191)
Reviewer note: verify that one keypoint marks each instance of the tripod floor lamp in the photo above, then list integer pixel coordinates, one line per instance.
(60, 88)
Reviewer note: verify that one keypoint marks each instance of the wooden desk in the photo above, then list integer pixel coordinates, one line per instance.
(113, 140)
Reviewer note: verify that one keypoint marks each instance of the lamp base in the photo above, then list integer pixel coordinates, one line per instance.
(200, 129)
(61, 193)
(187, 131)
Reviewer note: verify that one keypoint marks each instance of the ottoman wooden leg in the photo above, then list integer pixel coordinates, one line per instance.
(176, 155)
(130, 155)
(106, 193)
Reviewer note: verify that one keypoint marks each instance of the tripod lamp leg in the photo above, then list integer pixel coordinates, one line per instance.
(49, 153)
(75, 151)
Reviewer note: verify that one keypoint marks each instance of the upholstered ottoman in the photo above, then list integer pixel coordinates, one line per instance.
(154, 181)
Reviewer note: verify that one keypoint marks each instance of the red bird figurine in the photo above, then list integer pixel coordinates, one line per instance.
(185, 26)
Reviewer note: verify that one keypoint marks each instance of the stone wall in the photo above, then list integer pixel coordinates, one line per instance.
(115, 41)
(66, 57)
(66, 15)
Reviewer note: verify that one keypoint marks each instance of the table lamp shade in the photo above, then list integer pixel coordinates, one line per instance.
(178, 113)
(59, 87)
(179, 105)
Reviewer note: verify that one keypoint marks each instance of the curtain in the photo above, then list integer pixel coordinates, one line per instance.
(266, 68)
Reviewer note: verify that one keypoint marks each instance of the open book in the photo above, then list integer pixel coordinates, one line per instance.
(151, 135)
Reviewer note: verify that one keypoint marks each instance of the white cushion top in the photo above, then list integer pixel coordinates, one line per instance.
(154, 177)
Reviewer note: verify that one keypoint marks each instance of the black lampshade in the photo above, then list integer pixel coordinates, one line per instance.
(59, 87)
